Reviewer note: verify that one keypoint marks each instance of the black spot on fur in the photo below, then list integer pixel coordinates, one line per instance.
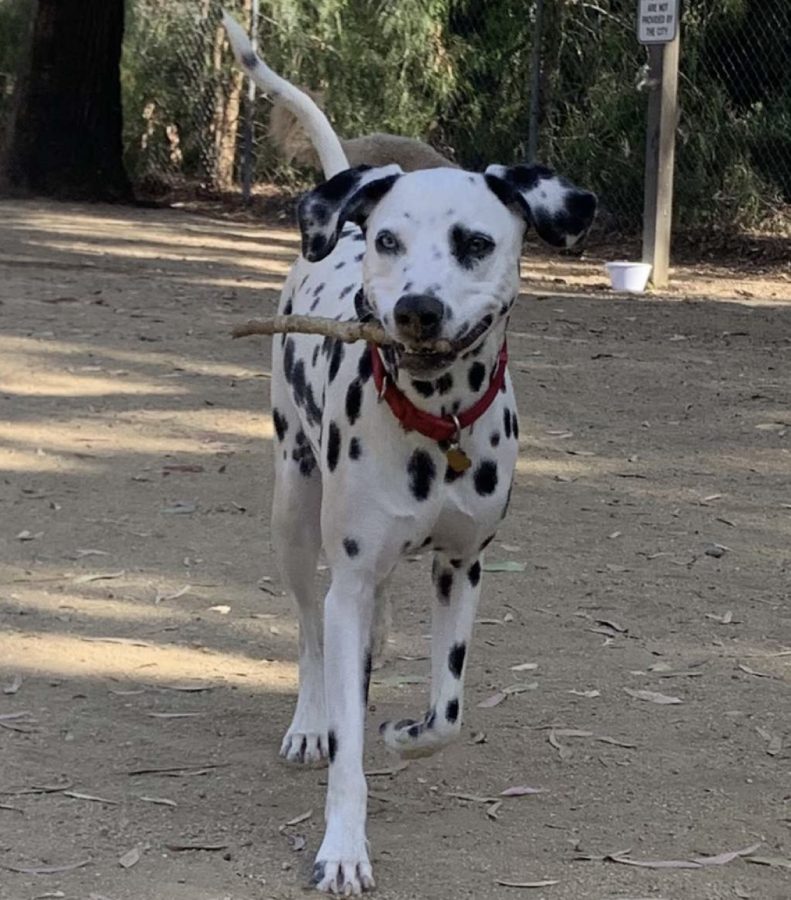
(485, 477)
(317, 875)
(289, 307)
(351, 546)
(335, 360)
(476, 375)
(444, 383)
(298, 382)
(332, 745)
(452, 710)
(494, 440)
(474, 573)
(515, 424)
(426, 542)
(333, 446)
(288, 360)
(364, 369)
(367, 666)
(424, 388)
(456, 659)
(431, 718)
(354, 400)
(456, 563)
(445, 585)
(249, 60)
(315, 357)
(341, 264)
(507, 422)
(312, 409)
(281, 424)
(303, 455)
(422, 472)
(347, 290)
(359, 257)
(354, 448)
(488, 541)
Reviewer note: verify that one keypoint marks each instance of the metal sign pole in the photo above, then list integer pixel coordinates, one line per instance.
(658, 29)
(247, 146)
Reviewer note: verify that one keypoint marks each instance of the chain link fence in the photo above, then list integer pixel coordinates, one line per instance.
(480, 82)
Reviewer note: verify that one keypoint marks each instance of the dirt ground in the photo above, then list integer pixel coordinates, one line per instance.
(147, 654)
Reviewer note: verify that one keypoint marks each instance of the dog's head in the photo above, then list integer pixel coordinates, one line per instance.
(443, 245)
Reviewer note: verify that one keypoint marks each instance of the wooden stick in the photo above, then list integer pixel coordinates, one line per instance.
(348, 332)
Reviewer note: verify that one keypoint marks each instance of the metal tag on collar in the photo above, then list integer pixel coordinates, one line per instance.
(457, 458)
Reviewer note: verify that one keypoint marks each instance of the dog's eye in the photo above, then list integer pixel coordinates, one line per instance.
(479, 245)
(387, 242)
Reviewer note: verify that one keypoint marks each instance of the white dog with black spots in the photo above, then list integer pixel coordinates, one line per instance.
(380, 452)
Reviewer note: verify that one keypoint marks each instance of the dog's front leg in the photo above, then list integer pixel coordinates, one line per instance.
(342, 865)
(457, 587)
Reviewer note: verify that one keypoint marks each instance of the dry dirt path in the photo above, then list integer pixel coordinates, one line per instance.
(651, 531)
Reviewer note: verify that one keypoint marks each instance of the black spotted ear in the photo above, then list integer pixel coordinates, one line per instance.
(347, 197)
(560, 212)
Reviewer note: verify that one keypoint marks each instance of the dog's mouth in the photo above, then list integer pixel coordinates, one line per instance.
(426, 358)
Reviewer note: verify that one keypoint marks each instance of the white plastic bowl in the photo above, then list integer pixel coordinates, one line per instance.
(628, 276)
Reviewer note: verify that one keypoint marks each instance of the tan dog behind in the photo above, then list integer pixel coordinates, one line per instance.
(378, 149)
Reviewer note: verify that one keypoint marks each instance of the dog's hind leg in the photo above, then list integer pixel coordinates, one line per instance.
(296, 538)
(457, 588)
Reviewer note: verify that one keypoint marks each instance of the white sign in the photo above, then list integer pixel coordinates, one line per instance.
(657, 21)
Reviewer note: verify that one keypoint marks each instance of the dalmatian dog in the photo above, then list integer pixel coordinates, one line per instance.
(381, 451)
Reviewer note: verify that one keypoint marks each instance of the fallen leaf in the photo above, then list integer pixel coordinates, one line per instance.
(303, 817)
(609, 623)
(478, 738)
(162, 598)
(187, 468)
(99, 576)
(162, 801)
(92, 797)
(606, 739)
(179, 509)
(173, 715)
(589, 694)
(494, 700)
(525, 884)
(297, 841)
(721, 858)
(179, 847)
(775, 742)
(725, 619)
(653, 697)
(14, 685)
(10, 808)
(222, 609)
(472, 798)
(129, 858)
(400, 680)
(781, 862)
(178, 771)
(188, 687)
(491, 811)
(520, 790)
(511, 548)
(504, 565)
(520, 688)
(563, 750)
(524, 667)
(91, 551)
(45, 870)
(750, 671)
(393, 770)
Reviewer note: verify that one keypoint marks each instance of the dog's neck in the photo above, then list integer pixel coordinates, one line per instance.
(461, 385)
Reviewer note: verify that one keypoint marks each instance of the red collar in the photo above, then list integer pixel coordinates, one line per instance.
(438, 428)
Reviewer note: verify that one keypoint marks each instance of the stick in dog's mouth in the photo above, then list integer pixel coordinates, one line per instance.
(372, 332)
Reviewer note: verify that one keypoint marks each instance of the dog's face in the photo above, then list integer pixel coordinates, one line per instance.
(442, 246)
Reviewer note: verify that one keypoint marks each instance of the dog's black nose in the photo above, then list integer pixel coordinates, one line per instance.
(419, 316)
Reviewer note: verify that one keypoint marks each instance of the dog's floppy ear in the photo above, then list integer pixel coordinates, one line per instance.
(347, 197)
(560, 212)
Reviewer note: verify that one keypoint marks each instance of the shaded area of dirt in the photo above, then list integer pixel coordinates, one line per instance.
(652, 517)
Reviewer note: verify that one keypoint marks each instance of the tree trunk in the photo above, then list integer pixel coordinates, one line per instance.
(66, 138)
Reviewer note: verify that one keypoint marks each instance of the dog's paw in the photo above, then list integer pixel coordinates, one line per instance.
(412, 739)
(344, 877)
(305, 747)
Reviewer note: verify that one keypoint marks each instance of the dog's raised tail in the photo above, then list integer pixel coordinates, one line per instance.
(315, 123)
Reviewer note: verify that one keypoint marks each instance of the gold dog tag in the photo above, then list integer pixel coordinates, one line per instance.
(458, 459)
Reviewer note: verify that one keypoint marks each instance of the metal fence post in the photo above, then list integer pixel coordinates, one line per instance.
(535, 83)
(660, 144)
(249, 112)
